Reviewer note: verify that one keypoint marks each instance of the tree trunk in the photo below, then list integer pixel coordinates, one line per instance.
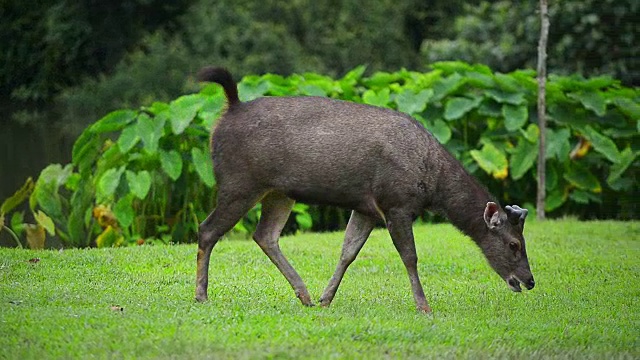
(542, 119)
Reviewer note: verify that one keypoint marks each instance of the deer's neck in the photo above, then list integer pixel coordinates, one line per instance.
(463, 200)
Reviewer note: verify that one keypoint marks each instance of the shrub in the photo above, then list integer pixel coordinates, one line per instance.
(145, 175)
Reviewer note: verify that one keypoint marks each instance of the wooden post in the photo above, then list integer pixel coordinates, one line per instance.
(542, 119)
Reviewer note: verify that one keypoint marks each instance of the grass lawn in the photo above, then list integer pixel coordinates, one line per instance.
(585, 303)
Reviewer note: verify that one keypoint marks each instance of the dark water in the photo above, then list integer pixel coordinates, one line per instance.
(26, 149)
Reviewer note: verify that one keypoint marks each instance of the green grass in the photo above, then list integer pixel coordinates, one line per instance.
(585, 304)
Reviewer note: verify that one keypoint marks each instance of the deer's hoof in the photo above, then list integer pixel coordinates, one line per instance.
(305, 299)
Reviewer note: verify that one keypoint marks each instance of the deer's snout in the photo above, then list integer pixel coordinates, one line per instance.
(529, 284)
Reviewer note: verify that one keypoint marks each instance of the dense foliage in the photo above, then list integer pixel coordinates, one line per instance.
(588, 37)
(56, 44)
(94, 57)
(145, 175)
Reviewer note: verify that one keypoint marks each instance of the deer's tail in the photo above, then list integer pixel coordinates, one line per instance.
(223, 77)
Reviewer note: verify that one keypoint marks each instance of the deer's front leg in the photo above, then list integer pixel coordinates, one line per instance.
(399, 224)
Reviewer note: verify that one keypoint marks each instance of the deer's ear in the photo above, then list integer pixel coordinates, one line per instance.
(492, 215)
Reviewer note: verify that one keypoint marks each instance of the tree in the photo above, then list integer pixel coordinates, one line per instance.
(56, 44)
(589, 37)
(542, 117)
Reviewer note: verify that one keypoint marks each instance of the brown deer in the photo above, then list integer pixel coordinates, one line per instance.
(379, 163)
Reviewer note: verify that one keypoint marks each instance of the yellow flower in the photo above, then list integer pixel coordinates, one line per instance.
(105, 216)
(501, 174)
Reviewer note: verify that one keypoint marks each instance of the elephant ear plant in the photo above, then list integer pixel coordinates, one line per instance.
(35, 233)
(144, 175)
(136, 177)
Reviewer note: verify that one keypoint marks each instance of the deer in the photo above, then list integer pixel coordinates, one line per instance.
(381, 164)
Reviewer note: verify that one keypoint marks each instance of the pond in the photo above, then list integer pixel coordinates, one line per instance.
(25, 149)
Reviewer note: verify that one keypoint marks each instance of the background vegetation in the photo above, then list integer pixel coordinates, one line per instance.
(91, 57)
(138, 302)
(146, 175)
(67, 64)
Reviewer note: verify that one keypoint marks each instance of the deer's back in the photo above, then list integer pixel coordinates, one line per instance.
(321, 150)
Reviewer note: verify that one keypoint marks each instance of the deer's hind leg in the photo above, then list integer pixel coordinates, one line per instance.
(276, 208)
(357, 233)
(230, 209)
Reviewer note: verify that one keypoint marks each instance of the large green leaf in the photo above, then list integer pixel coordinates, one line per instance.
(582, 178)
(480, 79)
(449, 67)
(523, 157)
(17, 222)
(491, 159)
(81, 202)
(150, 131)
(504, 97)
(108, 238)
(349, 81)
(109, 181)
(592, 100)
(531, 134)
(78, 146)
(171, 163)
(557, 144)
(381, 80)
(551, 177)
(203, 165)
(85, 151)
(323, 82)
(628, 107)
(312, 90)
(55, 174)
(602, 144)
(355, 73)
(440, 130)
(568, 114)
(183, 110)
(446, 86)
(157, 107)
(627, 156)
(456, 107)
(507, 82)
(211, 110)
(410, 103)
(111, 157)
(380, 98)
(139, 183)
(514, 116)
(303, 218)
(46, 222)
(115, 120)
(250, 90)
(279, 85)
(123, 210)
(555, 199)
(18, 197)
(47, 197)
(490, 108)
(45, 193)
(128, 138)
(584, 197)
